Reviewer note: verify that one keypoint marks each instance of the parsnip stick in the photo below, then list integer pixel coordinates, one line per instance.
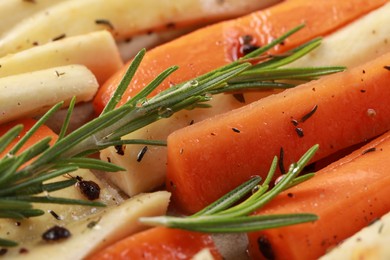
(35, 92)
(13, 11)
(96, 50)
(123, 18)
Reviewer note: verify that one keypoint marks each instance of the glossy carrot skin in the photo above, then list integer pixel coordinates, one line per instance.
(347, 195)
(159, 243)
(210, 158)
(214, 46)
(27, 123)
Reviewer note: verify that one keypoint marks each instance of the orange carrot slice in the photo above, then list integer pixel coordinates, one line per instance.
(219, 44)
(159, 243)
(210, 158)
(27, 123)
(346, 196)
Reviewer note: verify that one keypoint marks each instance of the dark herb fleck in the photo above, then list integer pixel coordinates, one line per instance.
(59, 74)
(59, 37)
(363, 90)
(23, 250)
(142, 153)
(56, 233)
(55, 215)
(192, 122)
(105, 22)
(281, 161)
(373, 149)
(17, 223)
(247, 45)
(239, 97)
(248, 48)
(3, 251)
(387, 67)
(308, 115)
(381, 228)
(299, 131)
(119, 149)
(89, 189)
(246, 39)
(170, 25)
(265, 247)
(294, 122)
(173, 185)
(290, 195)
(236, 130)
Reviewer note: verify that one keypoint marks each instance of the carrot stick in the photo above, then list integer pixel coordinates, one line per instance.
(210, 158)
(219, 44)
(27, 123)
(159, 243)
(346, 196)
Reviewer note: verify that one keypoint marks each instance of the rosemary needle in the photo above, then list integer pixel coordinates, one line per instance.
(23, 184)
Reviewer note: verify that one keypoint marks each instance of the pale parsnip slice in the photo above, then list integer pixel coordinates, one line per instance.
(13, 11)
(363, 39)
(110, 225)
(97, 51)
(34, 92)
(28, 231)
(370, 243)
(150, 172)
(123, 18)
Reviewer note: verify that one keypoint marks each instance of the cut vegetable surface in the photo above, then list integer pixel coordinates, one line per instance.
(346, 196)
(159, 243)
(370, 243)
(18, 93)
(12, 12)
(364, 39)
(209, 158)
(72, 50)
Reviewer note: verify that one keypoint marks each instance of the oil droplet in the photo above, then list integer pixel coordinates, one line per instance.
(194, 83)
(256, 189)
(208, 96)
(142, 102)
(371, 112)
(165, 112)
(279, 179)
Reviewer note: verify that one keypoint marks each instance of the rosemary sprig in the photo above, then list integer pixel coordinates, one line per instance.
(21, 184)
(219, 217)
